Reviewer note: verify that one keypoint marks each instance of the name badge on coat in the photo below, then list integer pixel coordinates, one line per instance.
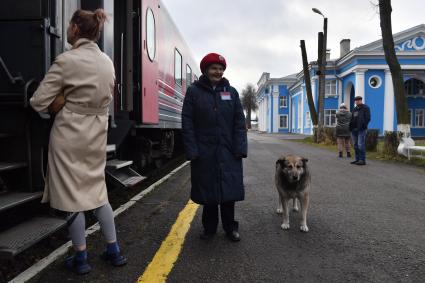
(225, 95)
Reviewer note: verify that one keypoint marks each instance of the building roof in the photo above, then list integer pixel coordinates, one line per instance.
(265, 80)
(407, 43)
(399, 38)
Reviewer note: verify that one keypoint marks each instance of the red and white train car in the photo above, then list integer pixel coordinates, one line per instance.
(152, 82)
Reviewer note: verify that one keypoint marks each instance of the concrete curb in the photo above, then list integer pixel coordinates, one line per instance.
(62, 250)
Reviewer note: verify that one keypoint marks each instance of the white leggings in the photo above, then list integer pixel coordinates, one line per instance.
(77, 225)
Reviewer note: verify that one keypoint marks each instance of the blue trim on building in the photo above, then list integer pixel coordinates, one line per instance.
(374, 66)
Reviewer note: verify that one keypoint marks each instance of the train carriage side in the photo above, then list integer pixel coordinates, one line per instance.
(167, 68)
(176, 71)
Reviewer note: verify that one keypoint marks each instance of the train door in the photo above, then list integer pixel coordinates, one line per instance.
(149, 61)
(123, 67)
(34, 33)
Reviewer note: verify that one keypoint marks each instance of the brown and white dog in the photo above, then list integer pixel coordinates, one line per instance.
(292, 180)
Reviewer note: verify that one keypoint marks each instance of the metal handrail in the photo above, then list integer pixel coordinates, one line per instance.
(12, 79)
(27, 85)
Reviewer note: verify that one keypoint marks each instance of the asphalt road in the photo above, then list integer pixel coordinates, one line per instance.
(367, 224)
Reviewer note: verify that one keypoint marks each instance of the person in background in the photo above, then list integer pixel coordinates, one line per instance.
(215, 140)
(358, 126)
(78, 88)
(343, 135)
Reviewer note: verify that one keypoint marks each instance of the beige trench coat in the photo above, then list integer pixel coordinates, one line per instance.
(77, 148)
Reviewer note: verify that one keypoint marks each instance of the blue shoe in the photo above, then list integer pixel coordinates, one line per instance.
(115, 259)
(76, 265)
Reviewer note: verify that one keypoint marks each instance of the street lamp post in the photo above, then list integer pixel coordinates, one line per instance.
(321, 62)
(325, 32)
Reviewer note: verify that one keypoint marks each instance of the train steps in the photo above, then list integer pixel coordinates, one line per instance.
(119, 170)
(9, 200)
(30, 229)
(21, 225)
(34, 228)
(20, 237)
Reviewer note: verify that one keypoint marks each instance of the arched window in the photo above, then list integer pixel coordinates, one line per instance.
(150, 34)
(414, 87)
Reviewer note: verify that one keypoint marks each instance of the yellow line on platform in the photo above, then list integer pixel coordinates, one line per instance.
(164, 259)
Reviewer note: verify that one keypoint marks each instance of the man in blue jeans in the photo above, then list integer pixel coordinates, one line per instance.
(358, 126)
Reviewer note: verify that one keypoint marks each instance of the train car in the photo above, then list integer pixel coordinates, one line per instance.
(154, 67)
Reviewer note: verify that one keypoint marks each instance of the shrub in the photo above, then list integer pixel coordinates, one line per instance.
(372, 139)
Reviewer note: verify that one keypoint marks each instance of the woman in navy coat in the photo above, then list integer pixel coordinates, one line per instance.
(215, 140)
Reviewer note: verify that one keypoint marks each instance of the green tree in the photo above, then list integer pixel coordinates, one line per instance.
(249, 102)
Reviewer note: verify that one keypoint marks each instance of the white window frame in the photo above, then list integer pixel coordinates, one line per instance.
(287, 122)
(329, 85)
(178, 67)
(379, 80)
(275, 88)
(328, 115)
(283, 98)
(416, 118)
(307, 119)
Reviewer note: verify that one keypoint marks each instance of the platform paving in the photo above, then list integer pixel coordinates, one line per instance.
(366, 225)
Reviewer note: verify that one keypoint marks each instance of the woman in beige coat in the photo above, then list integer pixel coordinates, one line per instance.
(78, 88)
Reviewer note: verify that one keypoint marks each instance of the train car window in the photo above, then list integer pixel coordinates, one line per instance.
(178, 67)
(150, 34)
(188, 76)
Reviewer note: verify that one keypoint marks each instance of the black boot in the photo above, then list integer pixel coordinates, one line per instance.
(233, 236)
(206, 235)
(348, 154)
(340, 154)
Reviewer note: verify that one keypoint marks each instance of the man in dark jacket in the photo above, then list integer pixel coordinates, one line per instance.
(215, 141)
(358, 126)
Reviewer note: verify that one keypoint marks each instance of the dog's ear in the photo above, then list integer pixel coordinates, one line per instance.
(281, 161)
(305, 160)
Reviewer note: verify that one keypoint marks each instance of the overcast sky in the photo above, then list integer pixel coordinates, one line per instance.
(257, 36)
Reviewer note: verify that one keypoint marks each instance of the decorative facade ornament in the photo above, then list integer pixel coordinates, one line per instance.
(416, 43)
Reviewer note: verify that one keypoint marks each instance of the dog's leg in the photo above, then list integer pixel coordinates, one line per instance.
(279, 209)
(295, 205)
(285, 224)
(304, 207)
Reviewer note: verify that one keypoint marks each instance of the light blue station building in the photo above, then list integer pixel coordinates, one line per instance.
(363, 71)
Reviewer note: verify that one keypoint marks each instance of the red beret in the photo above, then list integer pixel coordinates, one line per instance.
(212, 58)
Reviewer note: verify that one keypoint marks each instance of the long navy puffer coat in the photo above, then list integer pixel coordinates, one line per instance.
(215, 140)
